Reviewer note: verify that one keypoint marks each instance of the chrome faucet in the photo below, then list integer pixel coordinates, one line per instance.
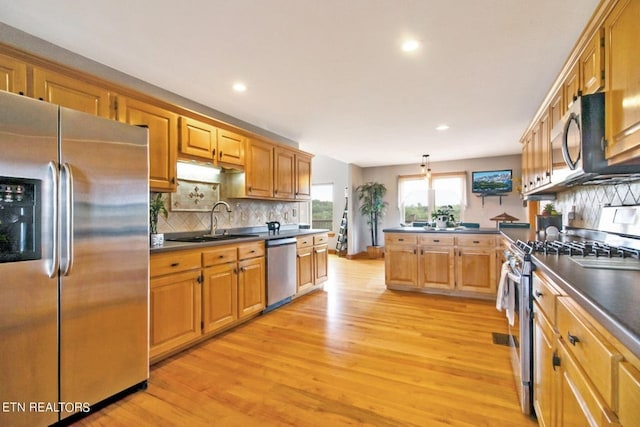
(214, 219)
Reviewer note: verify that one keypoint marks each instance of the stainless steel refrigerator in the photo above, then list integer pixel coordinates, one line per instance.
(74, 256)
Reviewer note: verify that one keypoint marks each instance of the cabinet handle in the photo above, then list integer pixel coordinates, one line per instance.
(250, 189)
(242, 269)
(538, 294)
(400, 240)
(572, 338)
(253, 251)
(175, 264)
(415, 251)
(476, 241)
(213, 152)
(235, 270)
(555, 360)
(221, 256)
(436, 240)
(421, 251)
(220, 155)
(21, 93)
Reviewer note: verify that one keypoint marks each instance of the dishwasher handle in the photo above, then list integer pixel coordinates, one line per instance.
(270, 243)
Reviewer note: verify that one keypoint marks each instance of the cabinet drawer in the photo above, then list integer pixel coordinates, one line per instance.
(401, 239)
(251, 250)
(545, 295)
(304, 242)
(173, 262)
(476, 240)
(220, 255)
(320, 239)
(595, 355)
(629, 395)
(436, 240)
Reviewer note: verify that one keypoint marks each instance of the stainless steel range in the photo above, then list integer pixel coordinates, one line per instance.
(615, 245)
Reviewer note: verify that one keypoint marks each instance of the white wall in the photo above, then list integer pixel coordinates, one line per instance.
(325, 170)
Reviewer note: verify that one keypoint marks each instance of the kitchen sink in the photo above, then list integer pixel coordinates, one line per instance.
(209, 238)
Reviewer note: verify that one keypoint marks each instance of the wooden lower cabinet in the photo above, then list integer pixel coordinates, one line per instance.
(219, 297)
(441, 262)
(251, 287)
(629, 394)
(312, 262)
(436, 267)
(175, 304)
(543, 369)
(198, 293)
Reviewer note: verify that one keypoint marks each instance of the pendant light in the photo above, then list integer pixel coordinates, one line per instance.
(426, 168)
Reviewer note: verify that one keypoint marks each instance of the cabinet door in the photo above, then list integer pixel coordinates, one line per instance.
(436, 267)
(401, 265)
(197, 138)
(251, 287)
(475, 269)
(303, 177)
(592, 65)
(219, 297)
(13, 75)
(543, 370)
(163, 138)
(629, 394)
(571, 87)
(230, 147)
(175, 304)
(320, 263)
(283, 175)
(71, 93)
(543, 151)
(259, 169)
(622, 70)
(579, 404)
(304, 266)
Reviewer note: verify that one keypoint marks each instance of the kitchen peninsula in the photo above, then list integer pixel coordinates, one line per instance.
(455, 261)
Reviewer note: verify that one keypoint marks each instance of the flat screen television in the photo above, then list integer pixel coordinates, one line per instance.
(491, 182)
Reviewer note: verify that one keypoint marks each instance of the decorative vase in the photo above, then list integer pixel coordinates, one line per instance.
(441, 221)
(156, 239)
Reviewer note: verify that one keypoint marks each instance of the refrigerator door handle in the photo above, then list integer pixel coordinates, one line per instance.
(55, 177)
(68, 174)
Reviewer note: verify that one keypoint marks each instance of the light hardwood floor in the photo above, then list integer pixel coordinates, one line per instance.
(353, 354)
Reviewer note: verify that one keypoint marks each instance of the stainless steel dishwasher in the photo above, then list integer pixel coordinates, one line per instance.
(281, 271)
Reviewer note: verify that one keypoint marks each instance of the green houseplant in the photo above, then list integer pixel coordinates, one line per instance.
(156, 207)
(372, 206)
(443, 216)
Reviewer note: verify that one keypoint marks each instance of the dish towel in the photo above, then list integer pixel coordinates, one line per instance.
(501, 297)
(511, 302)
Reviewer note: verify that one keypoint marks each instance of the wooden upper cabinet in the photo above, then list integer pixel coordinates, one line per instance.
(592, 65)
(622, 72)
(543, 155)
(284, 173)
(230, 147)
(571, 87)
(13, 75)
(163, 140)
(71, 92)
(555, 109)
(197, 138)
(303, 176)
(259, 168)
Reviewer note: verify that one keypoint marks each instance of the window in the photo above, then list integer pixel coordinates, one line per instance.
(322, 206)
(418, 197)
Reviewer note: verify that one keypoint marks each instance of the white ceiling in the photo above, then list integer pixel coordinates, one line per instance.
(330, 74)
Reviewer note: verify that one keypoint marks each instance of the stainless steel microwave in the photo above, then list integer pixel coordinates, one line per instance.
(578, 142)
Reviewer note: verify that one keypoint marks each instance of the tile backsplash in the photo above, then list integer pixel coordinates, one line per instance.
(587, 201)
(245, 213)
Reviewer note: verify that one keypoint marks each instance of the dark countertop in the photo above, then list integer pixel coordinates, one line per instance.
(253, 235)
(612, 297)
(457, 230)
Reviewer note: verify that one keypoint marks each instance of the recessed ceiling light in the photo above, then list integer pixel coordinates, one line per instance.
(239, 87)
(410, 45)
(442, 127)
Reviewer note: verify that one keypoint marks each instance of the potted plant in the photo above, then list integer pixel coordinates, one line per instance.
(443, 217)
(372, 206)
(156, 207)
